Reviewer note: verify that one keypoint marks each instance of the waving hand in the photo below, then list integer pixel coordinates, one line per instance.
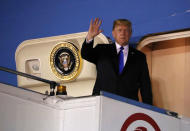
(94, 28)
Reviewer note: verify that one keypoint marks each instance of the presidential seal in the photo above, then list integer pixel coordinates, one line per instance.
(66, 61)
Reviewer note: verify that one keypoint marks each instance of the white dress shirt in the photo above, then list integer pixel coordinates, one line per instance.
(125, 51)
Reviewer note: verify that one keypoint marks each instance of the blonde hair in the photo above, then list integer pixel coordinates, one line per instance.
(124, 22)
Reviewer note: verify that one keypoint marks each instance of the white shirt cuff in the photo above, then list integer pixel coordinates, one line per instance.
(88, 41)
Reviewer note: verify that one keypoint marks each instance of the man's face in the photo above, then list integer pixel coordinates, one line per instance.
(121, 34)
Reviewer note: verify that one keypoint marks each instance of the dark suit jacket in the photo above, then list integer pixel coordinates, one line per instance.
(135, 74)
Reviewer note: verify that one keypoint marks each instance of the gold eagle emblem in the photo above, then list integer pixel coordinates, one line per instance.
(66, 61)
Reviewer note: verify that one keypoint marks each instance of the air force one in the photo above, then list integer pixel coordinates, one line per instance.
(30, 107)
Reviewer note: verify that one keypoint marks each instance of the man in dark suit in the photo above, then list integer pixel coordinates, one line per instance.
(121, 69)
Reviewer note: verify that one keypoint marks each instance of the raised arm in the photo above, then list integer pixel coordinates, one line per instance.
(88, 52)
(94, 29)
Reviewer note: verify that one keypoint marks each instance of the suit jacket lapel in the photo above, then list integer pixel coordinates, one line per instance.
(129, 60)
(115, 62)
(114, 58)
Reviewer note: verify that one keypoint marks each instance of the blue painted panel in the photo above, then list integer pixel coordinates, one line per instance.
(22, 20)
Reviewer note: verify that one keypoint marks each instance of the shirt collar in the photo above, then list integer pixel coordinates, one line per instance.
(118, 47)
